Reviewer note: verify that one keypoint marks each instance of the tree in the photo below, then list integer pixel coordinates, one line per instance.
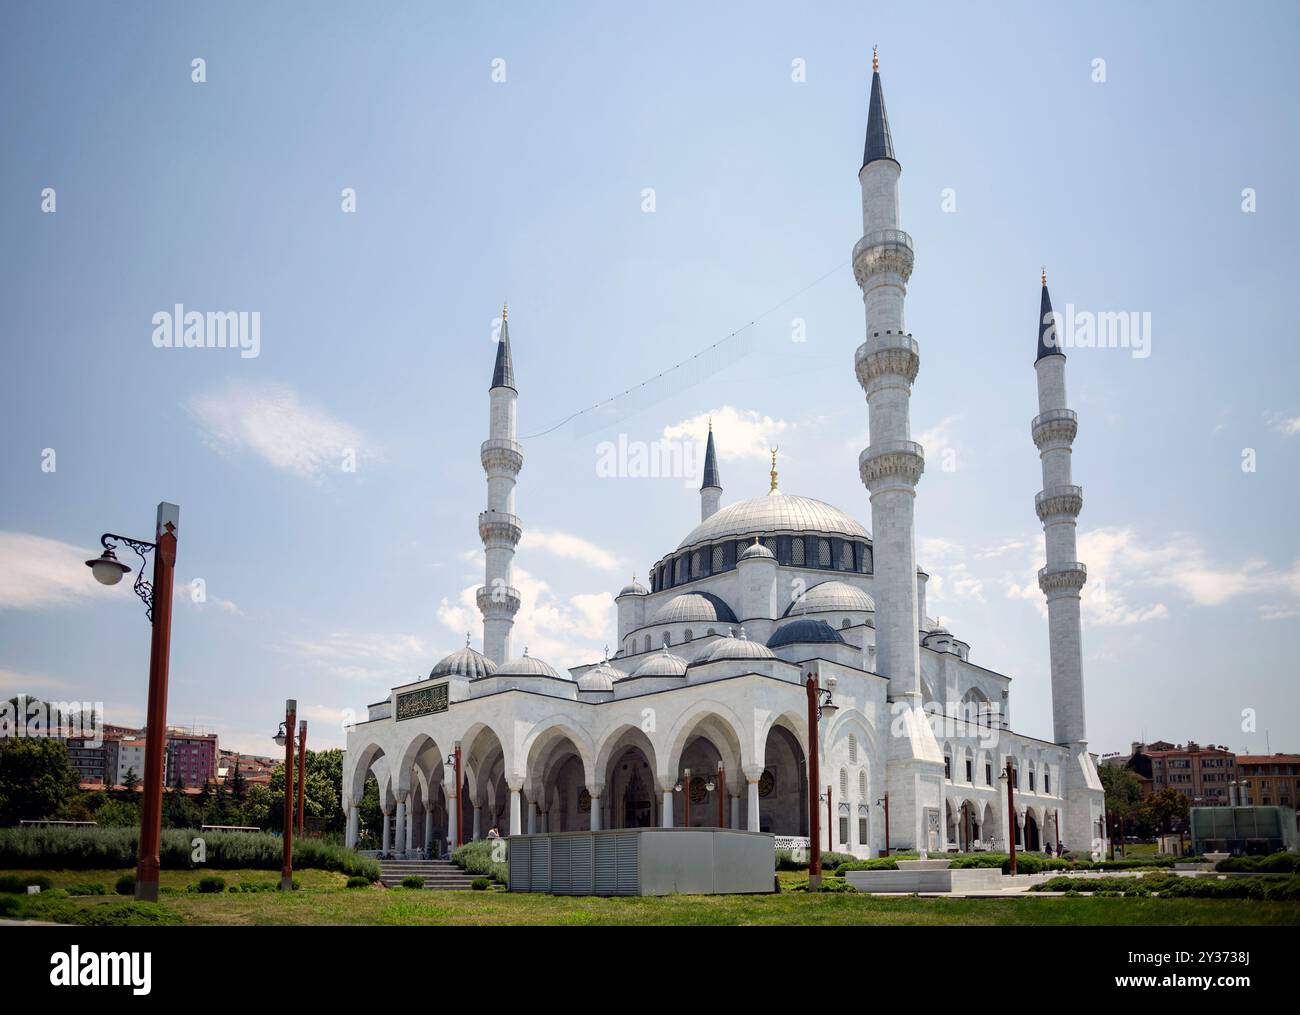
(36, 778)
(1167, 806)
(238, 784)
(1123, 790)
(178, 809)
(130, 780)
(323, 793)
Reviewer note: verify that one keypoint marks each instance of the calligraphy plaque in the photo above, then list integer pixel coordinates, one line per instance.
(425, 701)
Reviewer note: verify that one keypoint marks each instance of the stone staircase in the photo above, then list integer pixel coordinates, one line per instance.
(438, 875)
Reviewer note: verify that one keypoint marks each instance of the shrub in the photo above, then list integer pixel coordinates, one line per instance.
(212, 884)
(1173, 886)
(101, 848)
(358, 882)
(412, 881)
(1274, 863)
(87, 888)
(786, 861)
(125, 885)
(476, 858)
(17, 884)
(480, 884)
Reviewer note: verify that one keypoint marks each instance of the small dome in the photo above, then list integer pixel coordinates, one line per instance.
(805, 631)
(662, 664)
(600, 677)
(530, 666)
(738, 648)
(694, 607)
(634, 588)
(464, 662)
(832, 597)
(757, 551)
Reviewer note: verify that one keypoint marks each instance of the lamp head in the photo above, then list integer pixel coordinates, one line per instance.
(106, 568)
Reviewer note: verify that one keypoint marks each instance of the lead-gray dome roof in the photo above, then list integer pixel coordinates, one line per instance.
(772, 513)
(738, 648)
(464, 662)
(694, 607)
(832, 597)
(530, 666)
(662, 664)
(757, 549)
(600, 677)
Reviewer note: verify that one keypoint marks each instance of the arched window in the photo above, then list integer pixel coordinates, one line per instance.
(844, 783)
(647, 643)
(770, 543)
(853, 749)
(845, 623)
(690, 635)
(718, 558)
(1047, 781)
(711, 631)
(862, 789)
(797, 551)
(823, 553)
(695, 564)
(846, 557)
(668, 638)
(677, 571)
(947, 766)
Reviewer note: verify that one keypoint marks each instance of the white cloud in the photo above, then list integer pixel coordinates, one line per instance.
(13, 682)
(939, 436)
(270, 421)
(1289, 425)
(737, 433)
(570, 547)
(950, 577)
(388, 659)
(36, 572)
(563, 632)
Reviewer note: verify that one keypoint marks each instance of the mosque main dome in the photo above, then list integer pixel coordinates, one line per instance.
(772, 514)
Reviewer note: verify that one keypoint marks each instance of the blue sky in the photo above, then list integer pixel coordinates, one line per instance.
(377, 327)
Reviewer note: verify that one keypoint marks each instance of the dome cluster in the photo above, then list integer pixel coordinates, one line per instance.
(805, 631)
(740, 648)
(465, 662)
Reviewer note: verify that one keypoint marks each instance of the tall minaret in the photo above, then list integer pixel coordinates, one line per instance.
(890, 467)
(711, 487)
(498, 526)
(1058, 506)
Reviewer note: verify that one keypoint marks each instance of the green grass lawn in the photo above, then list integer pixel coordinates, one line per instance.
(322, 899)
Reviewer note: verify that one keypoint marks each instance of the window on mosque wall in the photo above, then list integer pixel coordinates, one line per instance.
(862, 784)
(862, 831)
(947, 766)
(718, 556)
(844, 784)
(1047, 782)
(695, 564)
(846, 557)
(823, 553)
(853, 749)
(668, 638)
(1031, 782)
(690, 635)
(796, 552)
(844, 831)
(969, 773)
(988, 775)
(770, 543)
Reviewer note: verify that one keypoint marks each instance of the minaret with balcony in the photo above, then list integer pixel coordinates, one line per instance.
(890, 467)
(498, 526)
(1058, 505)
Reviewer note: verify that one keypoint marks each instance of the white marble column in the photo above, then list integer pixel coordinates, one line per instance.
(735, 809)
(428, 827)
(515, 816)
(478, 821)
(403, 829)
(387, 840)
(532, 817)
(354, 823)
(668, 808)
(595, 807)
(449, 794)
(752, 775)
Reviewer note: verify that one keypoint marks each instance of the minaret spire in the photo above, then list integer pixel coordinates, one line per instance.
(880, 143)
(711, 486)
(1062, 579)
(498, 526)
(887, 364)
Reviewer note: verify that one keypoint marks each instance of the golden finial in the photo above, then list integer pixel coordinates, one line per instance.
(875, 61)
(504, 310)
(773, 472)
(1044, 276)
(710, 424)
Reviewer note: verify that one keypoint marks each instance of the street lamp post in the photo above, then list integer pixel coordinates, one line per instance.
(819, 700)
(722, 795)
(157, 598)
(302, 771)
(285, 737)
(1009, 777)
(884, 802)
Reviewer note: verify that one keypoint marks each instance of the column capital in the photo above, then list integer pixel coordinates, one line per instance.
(753, 772)
(596, 789)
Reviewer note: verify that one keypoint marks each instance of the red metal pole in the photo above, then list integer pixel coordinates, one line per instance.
(830, 820)
(1058, 831)
(286, 863)
(814, 780)
(302, 771)
(164, 565)
(686, 802)
(460, 837)
(1011, 812)
(722, 796)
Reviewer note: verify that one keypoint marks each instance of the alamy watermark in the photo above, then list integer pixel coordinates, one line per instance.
(1105, 329)
(179, 328)
(31, 718)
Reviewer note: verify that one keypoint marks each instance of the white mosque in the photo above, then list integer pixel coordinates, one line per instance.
(701, 717)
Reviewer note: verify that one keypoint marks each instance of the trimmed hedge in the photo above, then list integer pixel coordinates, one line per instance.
(1174, 886)
(785, 860)
(109, 848)
(476, 858)
(1274, 863)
